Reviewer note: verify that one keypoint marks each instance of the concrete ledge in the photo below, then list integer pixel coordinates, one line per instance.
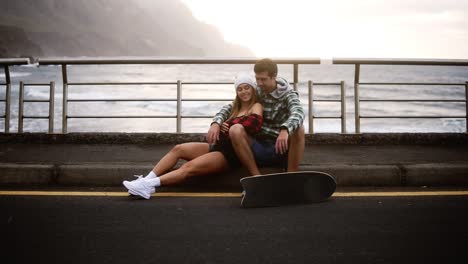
(114, 174)
(361, 175)
(345, 175)
(99, 174)
(435, 174)
(27, 174)
(106, 159)
(177, 138)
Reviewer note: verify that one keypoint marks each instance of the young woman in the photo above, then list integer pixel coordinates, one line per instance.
(203, 158)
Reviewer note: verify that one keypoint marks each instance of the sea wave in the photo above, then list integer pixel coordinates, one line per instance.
(226, 73)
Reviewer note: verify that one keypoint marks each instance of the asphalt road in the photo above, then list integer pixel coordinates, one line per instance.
(62, 229)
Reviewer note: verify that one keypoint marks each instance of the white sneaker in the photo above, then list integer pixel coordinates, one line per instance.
(138, 178)
(140, 188)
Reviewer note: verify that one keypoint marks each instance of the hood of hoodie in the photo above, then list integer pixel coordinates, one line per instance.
(282, 88)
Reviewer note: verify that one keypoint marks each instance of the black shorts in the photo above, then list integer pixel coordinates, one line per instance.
(263, 151)
(225, 147)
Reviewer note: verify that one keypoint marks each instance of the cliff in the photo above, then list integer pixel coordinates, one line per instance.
(108, 28)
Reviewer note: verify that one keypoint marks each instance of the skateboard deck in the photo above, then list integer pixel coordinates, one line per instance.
(287, 188)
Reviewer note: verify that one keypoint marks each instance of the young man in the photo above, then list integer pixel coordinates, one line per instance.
(281, 139)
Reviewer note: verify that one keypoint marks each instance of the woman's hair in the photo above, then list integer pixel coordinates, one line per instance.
(236, 104)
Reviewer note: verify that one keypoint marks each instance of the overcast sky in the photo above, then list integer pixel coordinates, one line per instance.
(341, 28)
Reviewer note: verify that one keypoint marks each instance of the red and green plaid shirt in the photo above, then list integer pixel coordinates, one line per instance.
(252, 123)
(283, 112)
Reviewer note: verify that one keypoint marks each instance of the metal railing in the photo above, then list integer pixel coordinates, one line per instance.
(179, 85)
(22, 100)
(6, 63)
(156, 61)
(342, 101)
(178, 116)
(421, 62)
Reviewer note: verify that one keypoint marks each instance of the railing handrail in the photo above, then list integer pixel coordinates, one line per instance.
(400, 61)
(161, 60)
(14, 61)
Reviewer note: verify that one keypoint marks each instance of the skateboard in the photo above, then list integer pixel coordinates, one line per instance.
(287, 188)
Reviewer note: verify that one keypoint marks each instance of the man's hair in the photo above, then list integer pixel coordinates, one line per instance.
(266, 65)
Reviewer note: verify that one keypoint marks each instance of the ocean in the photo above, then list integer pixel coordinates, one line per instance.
(226, 73)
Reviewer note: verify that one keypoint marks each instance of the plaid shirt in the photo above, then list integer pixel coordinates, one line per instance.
(252, 123)
(283, 112)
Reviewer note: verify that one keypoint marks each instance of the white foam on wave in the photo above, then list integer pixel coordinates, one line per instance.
(225, 73)
(19, 74)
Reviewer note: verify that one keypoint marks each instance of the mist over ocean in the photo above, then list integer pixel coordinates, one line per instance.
(226, 73)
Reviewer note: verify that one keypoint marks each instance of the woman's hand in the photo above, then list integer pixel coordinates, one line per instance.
(225, 128)
(213, 133)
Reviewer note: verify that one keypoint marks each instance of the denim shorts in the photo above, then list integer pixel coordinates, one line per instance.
(265, 155)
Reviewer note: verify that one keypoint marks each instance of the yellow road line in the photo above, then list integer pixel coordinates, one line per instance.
(55, 193)
(162, 194)
(216, 194)
(182, 194)
(379, 194)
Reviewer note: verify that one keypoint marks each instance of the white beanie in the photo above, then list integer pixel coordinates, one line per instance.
(245, 78)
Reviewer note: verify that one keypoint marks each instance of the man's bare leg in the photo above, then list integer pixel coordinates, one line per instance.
(241, 143)
(296, 149)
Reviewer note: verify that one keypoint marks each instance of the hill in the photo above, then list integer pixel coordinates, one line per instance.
(108, 28)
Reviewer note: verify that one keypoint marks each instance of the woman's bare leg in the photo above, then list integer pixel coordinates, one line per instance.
(186, 151)
(241, 142)
(208, 163)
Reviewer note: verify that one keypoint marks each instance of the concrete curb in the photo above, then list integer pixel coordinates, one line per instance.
(361, 175)
(99, 174)
(112, 174)
(106, 159)
(27, 174)
(431, 174)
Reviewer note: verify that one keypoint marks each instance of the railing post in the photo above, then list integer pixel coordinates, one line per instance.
(296, 73)
(357, 112)
(311, 112)
(7, 107)
(7, 98)
(343, 107)
(179, 107)
(65, 99)
(51, 107)
(21, 107)
(466, 105)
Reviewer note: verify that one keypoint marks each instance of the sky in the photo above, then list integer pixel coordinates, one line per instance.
(431, 29)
